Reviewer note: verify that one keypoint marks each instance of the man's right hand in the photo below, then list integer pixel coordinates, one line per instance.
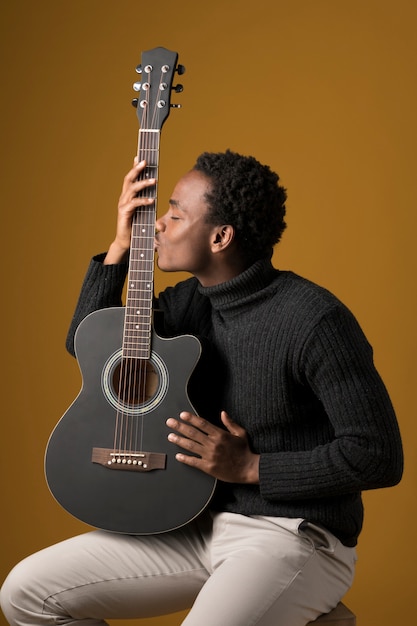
(129, 201)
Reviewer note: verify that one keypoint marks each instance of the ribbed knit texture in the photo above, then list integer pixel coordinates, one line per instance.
(293, 367)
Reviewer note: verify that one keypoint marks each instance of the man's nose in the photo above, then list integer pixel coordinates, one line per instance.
(159, 225)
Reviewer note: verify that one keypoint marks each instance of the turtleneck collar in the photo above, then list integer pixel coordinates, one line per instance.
(242, 289)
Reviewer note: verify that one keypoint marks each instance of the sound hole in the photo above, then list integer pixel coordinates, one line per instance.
(134, 386)
(135, 381)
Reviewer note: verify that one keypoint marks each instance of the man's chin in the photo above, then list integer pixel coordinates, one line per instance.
(166, 267)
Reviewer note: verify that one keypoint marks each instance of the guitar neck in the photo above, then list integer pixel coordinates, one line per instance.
(138, 316)
(153, 104)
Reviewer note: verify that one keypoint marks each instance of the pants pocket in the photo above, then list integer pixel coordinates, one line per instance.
(320, 538)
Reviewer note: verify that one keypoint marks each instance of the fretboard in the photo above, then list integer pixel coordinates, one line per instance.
(138, 316)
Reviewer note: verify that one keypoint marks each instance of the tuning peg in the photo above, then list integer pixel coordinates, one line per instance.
(175, 106)
(181, 69)
(178, 88)
(135, 102)
(138, 69)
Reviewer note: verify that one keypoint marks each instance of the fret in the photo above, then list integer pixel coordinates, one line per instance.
(139, 345)
(136, 352)
(138, 342)
(139, 307)
(142, 267)
(140, 355)
(142, 318)
(141, 277)
(147, 151)
(134, 321)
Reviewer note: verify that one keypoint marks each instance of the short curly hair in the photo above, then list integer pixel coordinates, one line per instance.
(246, 195)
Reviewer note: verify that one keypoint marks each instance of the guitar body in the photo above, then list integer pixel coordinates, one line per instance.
(122, 489)
(108, 461)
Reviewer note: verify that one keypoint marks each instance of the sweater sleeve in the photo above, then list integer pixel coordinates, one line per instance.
(365, 451)
(102, 288)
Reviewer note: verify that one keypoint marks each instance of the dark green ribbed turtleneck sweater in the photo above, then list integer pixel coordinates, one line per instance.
(292, 366)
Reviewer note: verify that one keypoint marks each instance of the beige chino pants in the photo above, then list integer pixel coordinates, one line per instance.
(233, 570)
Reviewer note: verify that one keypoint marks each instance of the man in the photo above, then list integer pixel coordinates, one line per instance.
(305, 425)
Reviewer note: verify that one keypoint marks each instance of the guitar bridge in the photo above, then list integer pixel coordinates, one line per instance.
(128, 460)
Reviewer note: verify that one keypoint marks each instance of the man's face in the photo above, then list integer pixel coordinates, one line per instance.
(183, 240)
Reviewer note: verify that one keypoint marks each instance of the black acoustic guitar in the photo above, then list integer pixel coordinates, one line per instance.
(108, 461)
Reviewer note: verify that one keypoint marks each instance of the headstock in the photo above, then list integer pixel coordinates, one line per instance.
(157, 69)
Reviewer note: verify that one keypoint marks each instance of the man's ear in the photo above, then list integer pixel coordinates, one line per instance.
(222, 237)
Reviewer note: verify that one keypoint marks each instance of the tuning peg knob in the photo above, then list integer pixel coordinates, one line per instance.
(135, 102)
(175, 106)
(181, 69)
(178, 88)
(138, 69)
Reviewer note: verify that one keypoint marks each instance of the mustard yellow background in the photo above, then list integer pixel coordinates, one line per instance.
(322, 90)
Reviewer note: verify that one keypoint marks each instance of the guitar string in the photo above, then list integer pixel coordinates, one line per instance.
(133, 373)
(148, 226)
(140, 364)
(140, 224)
(126, 370)
(151, 154)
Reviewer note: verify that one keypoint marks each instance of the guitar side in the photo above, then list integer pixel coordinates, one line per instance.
(149, 494)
